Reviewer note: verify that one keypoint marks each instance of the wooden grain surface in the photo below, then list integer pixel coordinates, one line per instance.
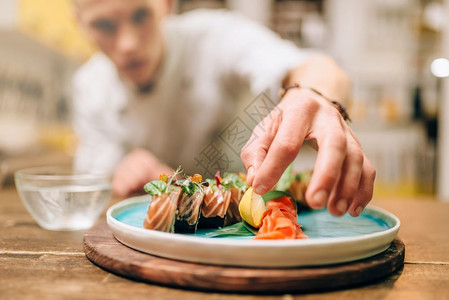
(104, 250)
(424, 227)
(40, 264)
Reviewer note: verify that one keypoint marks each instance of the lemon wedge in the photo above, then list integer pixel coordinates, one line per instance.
(252, 208)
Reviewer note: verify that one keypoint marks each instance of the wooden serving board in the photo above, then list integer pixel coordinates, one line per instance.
(105, 251)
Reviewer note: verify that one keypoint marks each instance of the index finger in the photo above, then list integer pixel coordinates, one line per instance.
(282, 151)
(255, 150)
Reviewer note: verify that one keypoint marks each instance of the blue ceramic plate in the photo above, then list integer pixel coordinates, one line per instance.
(331, 239)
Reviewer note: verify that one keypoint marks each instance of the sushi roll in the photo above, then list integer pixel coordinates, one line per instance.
(298, 187)
(189, 204)
(161, 212)
(236, 183)
(296, 184)
(216, 202)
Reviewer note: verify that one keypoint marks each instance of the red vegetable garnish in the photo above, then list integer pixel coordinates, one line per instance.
(280, 221)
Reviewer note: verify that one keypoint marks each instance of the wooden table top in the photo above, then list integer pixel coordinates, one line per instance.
(37, 263)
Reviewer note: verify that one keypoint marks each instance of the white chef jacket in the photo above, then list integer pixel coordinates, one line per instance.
(213, 60)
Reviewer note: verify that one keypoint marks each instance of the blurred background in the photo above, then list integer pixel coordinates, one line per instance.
(394, 50)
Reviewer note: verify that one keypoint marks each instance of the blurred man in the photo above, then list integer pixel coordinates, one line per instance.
(164, 85)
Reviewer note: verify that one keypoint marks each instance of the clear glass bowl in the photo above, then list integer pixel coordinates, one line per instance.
(59, 199)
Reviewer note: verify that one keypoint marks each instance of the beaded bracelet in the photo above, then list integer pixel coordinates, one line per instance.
(341, 109)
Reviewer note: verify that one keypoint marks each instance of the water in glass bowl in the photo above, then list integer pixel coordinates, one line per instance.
(66, 207)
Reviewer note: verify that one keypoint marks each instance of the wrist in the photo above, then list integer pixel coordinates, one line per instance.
(298, 87)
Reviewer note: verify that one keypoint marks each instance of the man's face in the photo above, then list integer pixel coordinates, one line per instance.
(128, 32)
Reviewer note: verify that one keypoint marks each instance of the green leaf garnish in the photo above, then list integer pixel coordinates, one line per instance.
(155, 187)
(232, 180)
(190, 187)
(176, 173)
(286, 179)
(159, 187)
(237, 229)
(250, 228)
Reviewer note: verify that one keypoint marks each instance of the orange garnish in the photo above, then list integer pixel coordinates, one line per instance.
(280, 221)
(242, 176)
(197, 178)
(163, 177)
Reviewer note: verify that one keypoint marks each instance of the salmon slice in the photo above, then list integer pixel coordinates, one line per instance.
(189, 210)
(215, 206)
(215, 203)
(189, 207)
(161, 212)
(233, 214)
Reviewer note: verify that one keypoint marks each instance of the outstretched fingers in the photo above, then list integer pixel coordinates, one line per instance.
(332, 151)
(365, 189)
(348, 184)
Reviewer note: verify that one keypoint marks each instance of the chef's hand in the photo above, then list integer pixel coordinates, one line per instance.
(135, 170)
(343, 177)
